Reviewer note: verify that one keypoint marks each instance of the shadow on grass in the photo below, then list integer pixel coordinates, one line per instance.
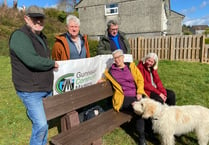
(186, 139)
(55, 123)
(130, 129)
(154, 139)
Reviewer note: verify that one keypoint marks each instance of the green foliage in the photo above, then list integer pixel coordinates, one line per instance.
(187, 32)
(4, 49)
(75, 13)
(6, 21)
(62, 16)
(52, 12)
(206, 32)
(93, 47)
(50, 40)
(206, 40)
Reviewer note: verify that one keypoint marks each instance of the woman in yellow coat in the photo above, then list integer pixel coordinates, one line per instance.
(128, 84)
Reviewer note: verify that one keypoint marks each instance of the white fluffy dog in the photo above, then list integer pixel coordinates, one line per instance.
(175, 120)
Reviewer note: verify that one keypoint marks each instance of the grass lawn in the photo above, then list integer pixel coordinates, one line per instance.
(190, 81)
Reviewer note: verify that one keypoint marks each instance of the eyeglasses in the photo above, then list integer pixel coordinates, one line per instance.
(116, 57)
(36, 19)
(116, 29)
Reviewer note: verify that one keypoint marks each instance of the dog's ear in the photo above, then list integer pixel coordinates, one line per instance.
(137, 106)
(149, 109)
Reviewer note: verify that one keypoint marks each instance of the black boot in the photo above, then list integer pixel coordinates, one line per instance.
(142, 141)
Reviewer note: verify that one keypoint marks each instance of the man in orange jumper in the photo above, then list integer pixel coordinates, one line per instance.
(71, 45)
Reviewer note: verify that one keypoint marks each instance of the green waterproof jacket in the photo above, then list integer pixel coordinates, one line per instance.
(104, 44)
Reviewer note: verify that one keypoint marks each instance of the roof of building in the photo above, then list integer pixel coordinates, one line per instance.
(199, 27)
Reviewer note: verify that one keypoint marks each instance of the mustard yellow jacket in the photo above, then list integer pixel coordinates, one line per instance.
(118, 96)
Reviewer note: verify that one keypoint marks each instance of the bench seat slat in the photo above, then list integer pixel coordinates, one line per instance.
(61, 104)
(92, 129)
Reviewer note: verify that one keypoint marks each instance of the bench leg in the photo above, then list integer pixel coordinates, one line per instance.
(69, 120)
(97, 142)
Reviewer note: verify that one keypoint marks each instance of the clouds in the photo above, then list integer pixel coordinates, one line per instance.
(196, 21)
(196, 8)
(197, 14)
(204, 4)
(189, 11)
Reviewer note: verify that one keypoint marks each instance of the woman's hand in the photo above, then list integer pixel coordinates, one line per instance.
(138, 96)
(101, 81)
(163, 97)
(56, 65)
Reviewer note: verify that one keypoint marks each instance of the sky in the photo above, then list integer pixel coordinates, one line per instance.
(196, 12)
(41, 3)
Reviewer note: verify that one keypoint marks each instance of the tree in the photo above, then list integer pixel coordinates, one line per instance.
(186, 30)
(14, 4)
(206, 32)
(5, 3)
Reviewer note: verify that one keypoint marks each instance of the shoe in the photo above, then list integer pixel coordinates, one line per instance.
(151, 137)
(142, 142)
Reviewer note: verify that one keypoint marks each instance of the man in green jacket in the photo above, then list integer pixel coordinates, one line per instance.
(32, 70)
(113, 40)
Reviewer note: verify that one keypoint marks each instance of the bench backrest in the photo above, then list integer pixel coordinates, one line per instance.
(61, 104)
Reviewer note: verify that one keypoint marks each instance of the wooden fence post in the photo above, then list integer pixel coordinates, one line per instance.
(202, 48)
(171, 48)
(139, 49)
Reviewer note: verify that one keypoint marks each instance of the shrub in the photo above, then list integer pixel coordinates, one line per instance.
(4, 48)
(93, 47)
(51, 12)
(50, 40)
(62, 16)
(206, 40)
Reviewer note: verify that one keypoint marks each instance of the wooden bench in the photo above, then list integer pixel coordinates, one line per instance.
(88, 132)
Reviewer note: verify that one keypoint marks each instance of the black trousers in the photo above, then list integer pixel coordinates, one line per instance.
(171, 97)
(140, 124)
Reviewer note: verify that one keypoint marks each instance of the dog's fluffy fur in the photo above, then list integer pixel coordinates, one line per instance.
(175, 120)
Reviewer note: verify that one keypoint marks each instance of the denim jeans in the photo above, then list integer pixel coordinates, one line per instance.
(35, 111)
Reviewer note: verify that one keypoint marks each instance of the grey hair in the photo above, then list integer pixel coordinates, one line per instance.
(111, 22)
(154, 56)
(72, 18)
(117, 51)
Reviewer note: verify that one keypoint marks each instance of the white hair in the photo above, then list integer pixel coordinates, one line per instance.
(72, 18)
(154, 56)
(117, 51)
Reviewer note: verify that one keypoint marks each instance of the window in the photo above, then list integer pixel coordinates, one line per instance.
(111, 9)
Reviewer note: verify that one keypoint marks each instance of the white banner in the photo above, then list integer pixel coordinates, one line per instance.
(78, 73)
